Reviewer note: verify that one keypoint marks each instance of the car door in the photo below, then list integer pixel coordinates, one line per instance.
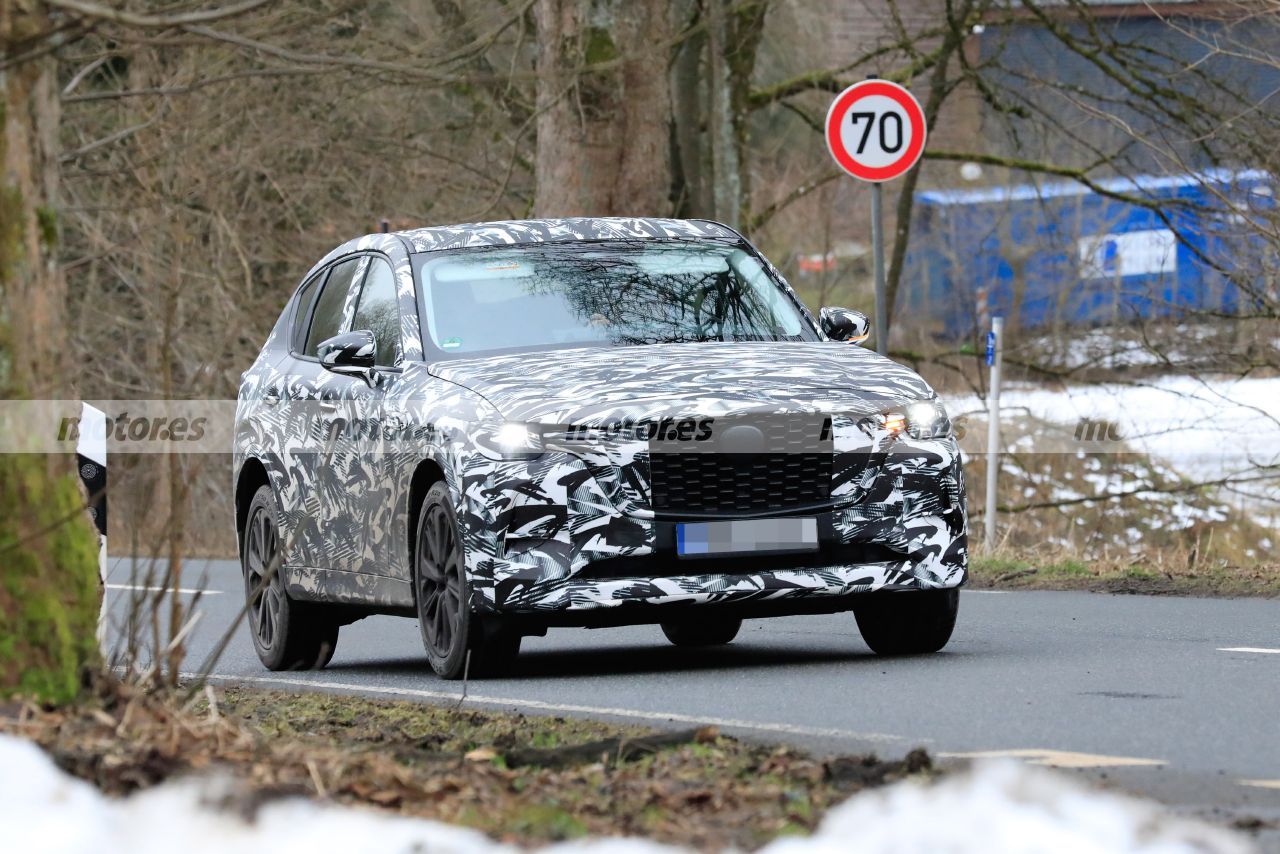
(359, 469)
(286, 410)
(322, 402)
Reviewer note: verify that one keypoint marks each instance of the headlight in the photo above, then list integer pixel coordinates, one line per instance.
(928, 419)
(509, 440)
(922, 419)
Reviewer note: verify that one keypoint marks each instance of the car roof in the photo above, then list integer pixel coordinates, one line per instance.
(529, 231)
(566, 230)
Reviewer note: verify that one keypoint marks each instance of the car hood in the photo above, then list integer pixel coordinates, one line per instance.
(585, 385)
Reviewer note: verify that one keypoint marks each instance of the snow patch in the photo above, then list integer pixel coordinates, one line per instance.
(999, 806)
(1206, 428)
(1005, 806)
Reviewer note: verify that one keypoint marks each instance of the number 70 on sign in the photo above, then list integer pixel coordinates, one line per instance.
(875, 130)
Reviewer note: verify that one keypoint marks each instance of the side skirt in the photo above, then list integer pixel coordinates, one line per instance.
(377, 593)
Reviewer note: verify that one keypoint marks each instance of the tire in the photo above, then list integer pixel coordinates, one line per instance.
(287, 634)
(914, 622)
(712, 632)
(450, 631)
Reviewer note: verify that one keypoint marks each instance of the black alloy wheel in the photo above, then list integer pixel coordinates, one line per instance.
(450, 631)
(287, 634)
(439, 581)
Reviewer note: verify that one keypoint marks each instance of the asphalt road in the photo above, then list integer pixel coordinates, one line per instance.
(1176, 698)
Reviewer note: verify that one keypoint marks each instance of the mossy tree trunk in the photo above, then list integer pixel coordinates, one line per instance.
(603, 108)
(49, 588)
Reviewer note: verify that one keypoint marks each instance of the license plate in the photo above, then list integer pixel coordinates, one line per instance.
(747, 536)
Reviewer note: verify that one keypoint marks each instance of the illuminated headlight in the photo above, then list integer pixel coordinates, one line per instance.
(923, 419)
(510, 441)
(928, 419)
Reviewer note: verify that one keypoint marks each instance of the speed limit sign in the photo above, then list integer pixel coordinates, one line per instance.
(875, 130)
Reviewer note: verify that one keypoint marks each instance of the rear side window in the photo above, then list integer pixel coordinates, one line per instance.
(326, 320)
(379, 311)
(302, 316)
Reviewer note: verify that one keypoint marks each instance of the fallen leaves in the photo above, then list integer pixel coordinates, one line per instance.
(521, 779)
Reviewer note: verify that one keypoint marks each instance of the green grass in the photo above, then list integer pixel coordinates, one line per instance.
(1161, 574)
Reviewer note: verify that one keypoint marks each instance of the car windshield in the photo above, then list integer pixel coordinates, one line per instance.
(595, 294)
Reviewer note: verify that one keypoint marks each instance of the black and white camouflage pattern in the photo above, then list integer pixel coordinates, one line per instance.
(532, 528)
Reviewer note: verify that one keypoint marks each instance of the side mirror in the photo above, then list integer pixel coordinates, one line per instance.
(351, 353)
(843, 324)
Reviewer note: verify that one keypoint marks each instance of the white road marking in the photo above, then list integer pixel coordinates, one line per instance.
(540, 705)
(1057, 758)
(1260, 784)
(1258, 649)
(145, 589)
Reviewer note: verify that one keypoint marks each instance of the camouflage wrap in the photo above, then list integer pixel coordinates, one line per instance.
(539, 533)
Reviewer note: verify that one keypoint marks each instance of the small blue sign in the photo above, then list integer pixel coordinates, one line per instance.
(991, 348)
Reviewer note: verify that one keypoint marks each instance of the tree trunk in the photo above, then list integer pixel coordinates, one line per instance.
(49, 588)
(603, 104)
(692, 159)
(712, 81)
(726, 168)
(940, 87)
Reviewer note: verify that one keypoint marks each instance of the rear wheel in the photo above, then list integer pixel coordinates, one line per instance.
(912, 622)
(449, 629)
(713, 632)
(287, 634)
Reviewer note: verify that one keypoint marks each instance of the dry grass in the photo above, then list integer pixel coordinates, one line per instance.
(1160, 533)
(709, 792)
(1171, 570)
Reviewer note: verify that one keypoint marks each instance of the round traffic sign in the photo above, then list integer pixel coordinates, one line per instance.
(875, 130)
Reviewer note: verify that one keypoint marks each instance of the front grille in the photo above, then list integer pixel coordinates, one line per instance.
(793, 471)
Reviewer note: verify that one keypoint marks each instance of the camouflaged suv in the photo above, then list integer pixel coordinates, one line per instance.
(501, 427)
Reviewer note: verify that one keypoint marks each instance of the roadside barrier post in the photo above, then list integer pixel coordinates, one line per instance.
(995, 356)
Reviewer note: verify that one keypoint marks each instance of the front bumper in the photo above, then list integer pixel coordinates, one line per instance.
(546, 536)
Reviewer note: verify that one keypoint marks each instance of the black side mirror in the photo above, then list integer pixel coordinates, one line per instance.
(843, 324)
(351, 353)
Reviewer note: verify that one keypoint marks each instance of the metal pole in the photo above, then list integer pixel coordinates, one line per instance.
(995, 357)
(877, 257)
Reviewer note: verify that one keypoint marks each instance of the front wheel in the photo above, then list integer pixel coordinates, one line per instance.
(913, 622)
(450, 631)
(287, 634)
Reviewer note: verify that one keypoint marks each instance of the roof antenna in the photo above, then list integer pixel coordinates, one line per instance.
(385, 226)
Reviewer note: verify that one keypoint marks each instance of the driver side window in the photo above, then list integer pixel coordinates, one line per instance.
(326, 317)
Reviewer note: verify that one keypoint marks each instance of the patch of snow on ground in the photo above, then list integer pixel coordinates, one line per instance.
(998, 807)
(1205, 427)
(1008, 807)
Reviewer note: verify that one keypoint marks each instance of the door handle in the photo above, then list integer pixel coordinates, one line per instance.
(329, 405)
(271, 397)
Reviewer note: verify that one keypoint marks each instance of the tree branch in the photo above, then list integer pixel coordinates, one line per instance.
(132, 19)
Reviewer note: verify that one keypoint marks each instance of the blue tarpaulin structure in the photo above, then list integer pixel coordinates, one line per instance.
(1067, 255)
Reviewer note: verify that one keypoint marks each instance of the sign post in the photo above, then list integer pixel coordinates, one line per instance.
(995, 352)
(876, 132)
(877, 262)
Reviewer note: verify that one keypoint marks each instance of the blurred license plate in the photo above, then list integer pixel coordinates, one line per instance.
(747, 536)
